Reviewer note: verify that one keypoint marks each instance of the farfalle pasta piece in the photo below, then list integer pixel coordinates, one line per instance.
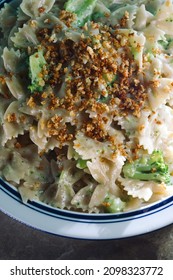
(139, 189)
(25, 37)
(36, 8)
(12, 60)
(15, 86)
(7, 18)
(14, 122)
(155, 129)
(82, 198)
(126, 13)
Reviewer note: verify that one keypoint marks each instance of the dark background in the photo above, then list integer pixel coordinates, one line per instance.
(20, 242)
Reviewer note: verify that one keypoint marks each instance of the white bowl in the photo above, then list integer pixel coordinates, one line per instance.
(82, 225)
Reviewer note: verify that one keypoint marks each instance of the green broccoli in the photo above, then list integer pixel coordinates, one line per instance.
(113, 204)
(148, 168)
(81, 163)
(82, 8)
(103, 99)
(36, 66)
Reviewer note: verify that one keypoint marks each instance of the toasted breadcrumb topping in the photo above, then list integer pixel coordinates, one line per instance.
(93, 74)
(11, 118)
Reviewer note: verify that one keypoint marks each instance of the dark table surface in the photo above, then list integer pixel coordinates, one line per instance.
(20, 242)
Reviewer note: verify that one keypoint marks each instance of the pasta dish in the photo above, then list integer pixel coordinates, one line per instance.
(86, 102)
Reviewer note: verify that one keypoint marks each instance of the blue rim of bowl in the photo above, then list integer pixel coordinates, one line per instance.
(85, 217)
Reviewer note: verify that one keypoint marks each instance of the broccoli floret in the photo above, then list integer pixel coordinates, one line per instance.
(36, 66)
(148, 168)
(82, 8)
(113, 204)
(81, 163)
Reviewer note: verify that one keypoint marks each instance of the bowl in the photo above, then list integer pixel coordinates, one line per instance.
(84, 225)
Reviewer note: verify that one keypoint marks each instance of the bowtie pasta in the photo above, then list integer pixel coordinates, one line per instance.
(86, 102)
